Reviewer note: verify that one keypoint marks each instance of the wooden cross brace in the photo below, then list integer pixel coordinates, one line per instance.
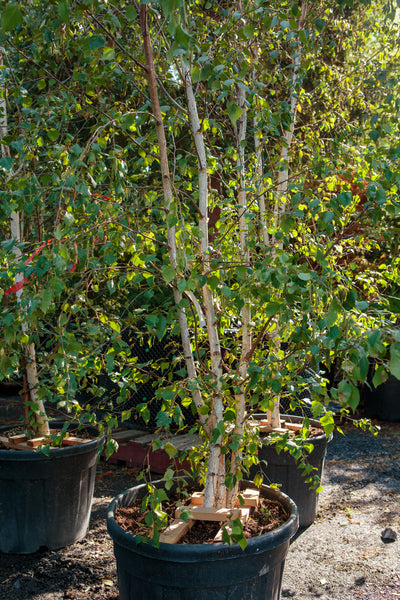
(179, 527)
(21, 442)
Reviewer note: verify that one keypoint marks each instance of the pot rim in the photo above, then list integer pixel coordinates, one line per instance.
(296, 419)
(29, 455)
(200, 552)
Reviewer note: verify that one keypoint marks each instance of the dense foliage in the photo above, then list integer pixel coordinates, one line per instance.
(298, 116)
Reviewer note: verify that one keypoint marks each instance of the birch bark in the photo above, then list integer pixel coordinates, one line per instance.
(283, 179)
(168, 200)
(215, 489)
(240, 398)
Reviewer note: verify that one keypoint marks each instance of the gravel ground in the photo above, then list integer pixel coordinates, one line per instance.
(341, 556)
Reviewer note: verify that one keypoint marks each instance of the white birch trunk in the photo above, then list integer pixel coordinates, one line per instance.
(283, 179)
(283, 174)
(215, 488)
(240, 397)
(260, 174)
(37, 409)
(168, 199)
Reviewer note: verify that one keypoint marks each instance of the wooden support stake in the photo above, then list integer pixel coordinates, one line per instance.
(209, 514)
(196, 499)
(251, 498)
(219, 535)
(5, 441)
(35, 442)
(268, 429)
(175, 531)
(22, 446)
(73, 441)
(244, 516)
(15, 442)
(293, 426)
(15, 439)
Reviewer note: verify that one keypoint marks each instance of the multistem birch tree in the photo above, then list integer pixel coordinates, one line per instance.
(215, 490)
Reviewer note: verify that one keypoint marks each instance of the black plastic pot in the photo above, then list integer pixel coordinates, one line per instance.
(46, 500)
(201, 571)
(382, 402)
(282, 468)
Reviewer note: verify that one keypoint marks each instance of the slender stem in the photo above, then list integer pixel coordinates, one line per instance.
(168, 202)
(215, 489)
(240, 397)
(283, 180)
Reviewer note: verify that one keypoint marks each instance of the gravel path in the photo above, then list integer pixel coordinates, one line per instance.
(341, 556)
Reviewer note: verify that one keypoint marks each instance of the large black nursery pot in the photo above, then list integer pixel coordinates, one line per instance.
(45, 501)
(282, 469)
(201, 571)
(382, 402)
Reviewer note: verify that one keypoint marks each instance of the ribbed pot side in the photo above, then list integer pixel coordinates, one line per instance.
(282, 469)
(45, 501)
(201, 571)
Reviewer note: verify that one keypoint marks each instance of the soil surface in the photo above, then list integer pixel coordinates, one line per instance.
(341, 556)
(266, 517)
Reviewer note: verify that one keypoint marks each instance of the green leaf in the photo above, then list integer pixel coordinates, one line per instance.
(364, 366)
(304, 276)
(362, 305)
(196, 74)
(248, 31)
(327, 423)
(95, 42)
(172, 452)
(169, 6)
(63, 11)
(59, 263)
(348, 394)
(394, 363)
(11, 17)
(52, 134)
(6, 163)
(320, 24)
(181, 285)
(129, 120)
(108, 54)
(215, 433)
(374, 134)
(272, 309)
(131, 13)
(163, 419)
(168, 273)
(161, 327)
(182, 38)
(234, 112)
(213, 282)
(333, 312)
(115, 326)
(345, 198)
(126, 414)
(46, 299)
(380, 376)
